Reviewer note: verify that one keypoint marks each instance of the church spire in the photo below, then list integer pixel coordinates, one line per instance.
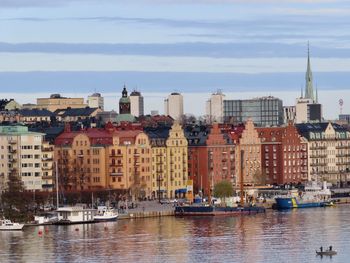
(309, 91)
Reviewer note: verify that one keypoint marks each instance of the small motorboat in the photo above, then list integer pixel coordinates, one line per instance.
(326, 253)
(105, 213)
(6, 224)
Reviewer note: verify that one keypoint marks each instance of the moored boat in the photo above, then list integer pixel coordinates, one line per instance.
(313, 196)
(6, 224)
(75, 215)
(105, 213)
(206, 210)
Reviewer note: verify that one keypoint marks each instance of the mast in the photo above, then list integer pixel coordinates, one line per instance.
(57, 200)
(241, 179)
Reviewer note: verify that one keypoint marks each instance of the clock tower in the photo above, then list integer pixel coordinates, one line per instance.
(124, 102)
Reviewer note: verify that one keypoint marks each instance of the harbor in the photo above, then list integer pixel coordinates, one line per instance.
(296, 234)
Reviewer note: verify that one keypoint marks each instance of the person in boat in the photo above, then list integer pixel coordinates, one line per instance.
(321, 249)
(330, 248)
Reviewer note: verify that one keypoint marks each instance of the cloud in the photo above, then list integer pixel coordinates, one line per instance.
(192, 49)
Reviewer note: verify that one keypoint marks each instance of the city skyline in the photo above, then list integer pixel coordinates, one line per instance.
(166, 46)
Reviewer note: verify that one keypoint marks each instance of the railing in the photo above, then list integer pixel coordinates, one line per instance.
(116, 164)
(116, 174)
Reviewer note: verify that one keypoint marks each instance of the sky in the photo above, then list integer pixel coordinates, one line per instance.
(245, 48)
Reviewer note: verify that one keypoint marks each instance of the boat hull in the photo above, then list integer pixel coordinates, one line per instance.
(291, 202)
(14, 228)
(216, 211)
(105, 219)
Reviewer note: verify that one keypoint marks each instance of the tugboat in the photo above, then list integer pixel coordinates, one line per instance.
(313, 196)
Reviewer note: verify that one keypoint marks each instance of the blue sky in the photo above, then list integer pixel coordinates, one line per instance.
(167, 45)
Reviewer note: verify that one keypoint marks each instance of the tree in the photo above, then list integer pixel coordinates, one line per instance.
(259, 177)
(16, 202)
(223, 189)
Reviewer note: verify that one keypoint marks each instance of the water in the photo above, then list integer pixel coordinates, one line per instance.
(290, 236)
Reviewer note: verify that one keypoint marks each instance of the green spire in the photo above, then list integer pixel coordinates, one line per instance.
(309, 90)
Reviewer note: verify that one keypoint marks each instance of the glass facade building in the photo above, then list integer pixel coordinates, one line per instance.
(265, 111)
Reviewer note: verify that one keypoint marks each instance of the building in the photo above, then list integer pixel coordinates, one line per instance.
(77, 114)
(9, 116)
(9, 105)
(264, 111)
(173, 106)
(210, 157)
(215, 107)
(136, 104)
(307, 108)
(344, 118)
(328, 152)
(100, 159)
(283, 155)
(56, 101)
(48, 179)
(177, 170)
(289, 114)
(21, 155)
(248, 153)
(125, 108)
(96, 101)
(36, 115)
(106, 116)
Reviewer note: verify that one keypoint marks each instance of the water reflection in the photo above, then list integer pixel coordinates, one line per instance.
(290, 236)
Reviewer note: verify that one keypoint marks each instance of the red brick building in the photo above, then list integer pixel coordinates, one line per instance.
(210, 157)
(283, 155)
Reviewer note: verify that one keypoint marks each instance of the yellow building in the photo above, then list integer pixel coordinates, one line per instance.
(129, 163)
(177, 162)
(57, 102)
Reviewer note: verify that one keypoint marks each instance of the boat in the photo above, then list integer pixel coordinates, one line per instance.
(46, 219)
(211, 210)
(326, 253)
(6, 224)
(313, 196)
(105, 213)
(75, 215)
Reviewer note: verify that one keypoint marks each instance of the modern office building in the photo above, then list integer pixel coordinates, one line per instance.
(215, 107)
(136, 104)
(96, 101)
(264, 111)
(173, 106)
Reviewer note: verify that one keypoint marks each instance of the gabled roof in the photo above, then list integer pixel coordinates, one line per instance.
(196, 135)
(305, 128)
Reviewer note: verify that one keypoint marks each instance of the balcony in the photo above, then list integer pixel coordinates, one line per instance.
(12, 160)
(116, 155)
(12, 141)
(47, 149)
(47, 186)
(116, 174)
(47, 159)
(342, 147)
(318, 164)
(116, 165)
(318, 147)
(45, 168)
(320, 155)
(342, 155)
(12, 151)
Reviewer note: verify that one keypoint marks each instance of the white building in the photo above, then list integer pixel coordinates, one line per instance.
(21, 155)
(215, 107)
(174, 106)
(136, 104)
(96, 101)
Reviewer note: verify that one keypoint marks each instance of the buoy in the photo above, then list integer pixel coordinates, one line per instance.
(40, 232)
(77, 229)
(46, 230)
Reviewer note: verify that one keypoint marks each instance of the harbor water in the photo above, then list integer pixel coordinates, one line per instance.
(276, 236)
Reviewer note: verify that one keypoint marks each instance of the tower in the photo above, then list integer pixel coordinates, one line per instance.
(124, 102)
(309, 90)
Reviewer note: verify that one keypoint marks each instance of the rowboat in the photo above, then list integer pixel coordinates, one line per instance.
(326, 253)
